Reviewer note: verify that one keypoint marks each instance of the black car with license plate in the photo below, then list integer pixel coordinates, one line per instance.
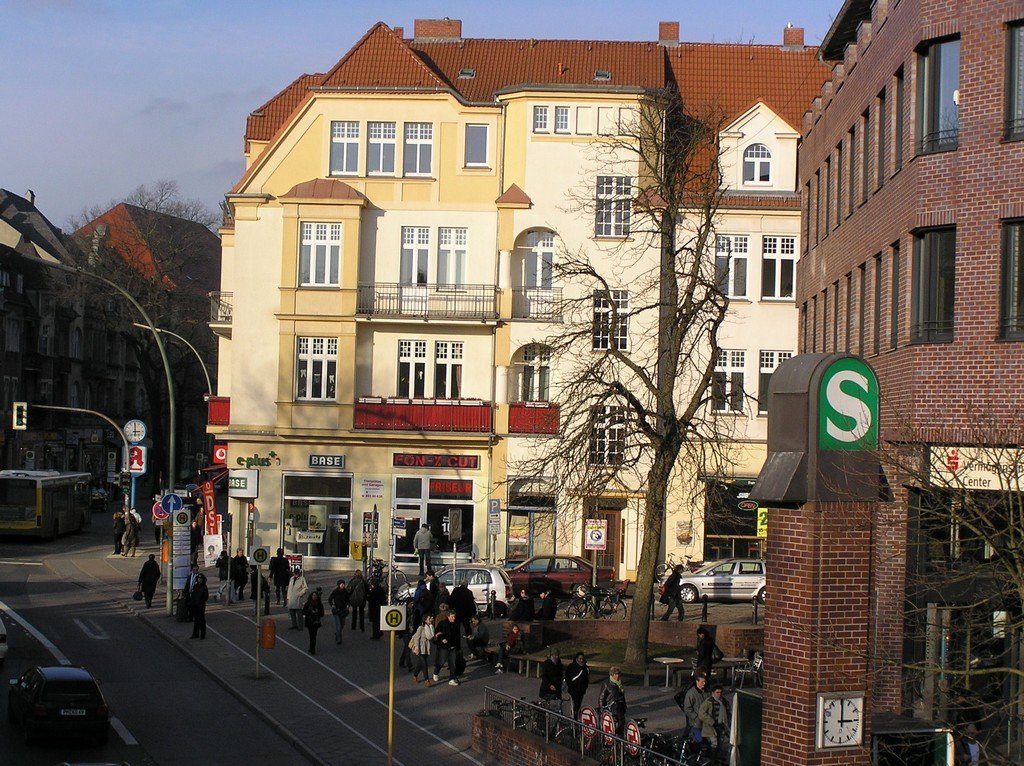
(58, 701)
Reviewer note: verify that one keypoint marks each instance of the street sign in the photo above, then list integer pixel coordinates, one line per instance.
(494, 517)
(392, 617)
(259, 555)
(608, 727)
(137, 458)
(588, 719)
(398, 523)
(182, 519)
(159, 513)
(595, 534)
(134, 431)
(633, 738)
(220, 454)
(171, 503)
(455, 524)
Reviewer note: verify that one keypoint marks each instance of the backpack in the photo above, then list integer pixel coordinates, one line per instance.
(358, 595)
(417, 596)
(716, 654)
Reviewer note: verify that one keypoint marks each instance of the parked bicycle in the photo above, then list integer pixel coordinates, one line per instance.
(380, 571)
(665, 568)
(598, 602)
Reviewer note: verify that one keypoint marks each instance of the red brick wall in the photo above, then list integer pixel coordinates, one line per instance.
(504, 744)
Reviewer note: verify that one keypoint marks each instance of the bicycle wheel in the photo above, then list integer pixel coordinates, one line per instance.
(619, 611)
(577, 609)
(399, 578)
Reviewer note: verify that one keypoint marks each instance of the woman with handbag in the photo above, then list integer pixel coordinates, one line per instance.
(313, 614)
(148, 578)
(421, 644)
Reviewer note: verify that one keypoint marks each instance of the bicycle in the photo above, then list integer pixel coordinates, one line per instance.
(598, 603)
(378, 569)
(671, 562)
(563, 730)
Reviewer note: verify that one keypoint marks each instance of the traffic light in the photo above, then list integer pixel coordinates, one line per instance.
(126, 481)
(19, 416)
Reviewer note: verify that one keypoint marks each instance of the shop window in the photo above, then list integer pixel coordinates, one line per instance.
(318, 515)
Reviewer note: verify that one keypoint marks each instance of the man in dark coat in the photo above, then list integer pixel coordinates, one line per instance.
(198, 598)
(449, 649)
(548, 606)
(119, 526)
(428, 599)
(461, 601)
(577, 679)
(552, 672)
(148, 578)
(376, 597)
(673, 593)
(523, 609)
(240, 573)
(705, 653)
(280, 573)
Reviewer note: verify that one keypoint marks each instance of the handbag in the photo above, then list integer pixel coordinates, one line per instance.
(137, 595)
(716, 654)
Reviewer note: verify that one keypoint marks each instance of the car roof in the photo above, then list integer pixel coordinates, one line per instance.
(64, 673)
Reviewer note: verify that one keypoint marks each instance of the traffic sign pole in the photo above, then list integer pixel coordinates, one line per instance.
(391, 699)
(259, 582)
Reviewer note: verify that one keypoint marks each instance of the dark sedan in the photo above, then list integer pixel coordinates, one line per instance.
(58, 701)
(557, 573)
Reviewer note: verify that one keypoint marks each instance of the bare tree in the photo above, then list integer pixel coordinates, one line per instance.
(636, 355)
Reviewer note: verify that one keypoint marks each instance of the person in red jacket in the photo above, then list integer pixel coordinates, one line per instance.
(510, 645)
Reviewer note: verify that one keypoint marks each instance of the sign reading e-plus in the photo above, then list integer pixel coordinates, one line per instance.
(848, 407)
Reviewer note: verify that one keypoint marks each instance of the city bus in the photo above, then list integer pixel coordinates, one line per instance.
(43, 503)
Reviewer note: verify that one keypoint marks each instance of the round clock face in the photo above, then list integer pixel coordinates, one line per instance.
(841, 721)
(135, 430)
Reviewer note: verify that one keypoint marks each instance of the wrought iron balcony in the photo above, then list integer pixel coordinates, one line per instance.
(388, 299)
(532, 418)
(379, 414)
(541, 304)
(221, 307)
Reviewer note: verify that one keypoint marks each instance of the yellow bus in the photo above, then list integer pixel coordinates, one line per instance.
(43, 503)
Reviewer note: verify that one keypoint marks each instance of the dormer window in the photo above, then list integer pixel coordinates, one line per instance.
(467, 73)
(757, 164)
(602, 75)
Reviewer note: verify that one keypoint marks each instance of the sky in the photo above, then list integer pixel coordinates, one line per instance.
(100, 96)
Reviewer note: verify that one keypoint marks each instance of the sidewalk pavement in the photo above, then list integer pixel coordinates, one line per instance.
(333, 706)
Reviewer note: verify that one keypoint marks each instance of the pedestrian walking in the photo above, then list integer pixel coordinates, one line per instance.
(198, 598)
(577, 679)
(280, 572)
(264, 591)
(448, 638)
(423, 542)
(148, 578)
(672, 595)
(690, 702)
(421, 644)
(706, 648)
(613, 697)
(190, 583)
(461, 602)
(357, 600)
(157, 526)
(223, 565)
(428, 599)
(338, 601)
(714, 715)
(239, 573)
(297, 590)
(118, 528)
(376, 597)
(130, 540)
(552, 674)
(313, 615)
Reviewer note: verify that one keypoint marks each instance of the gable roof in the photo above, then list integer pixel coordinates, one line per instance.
(37, 235)
(262, 123)
(382, 59)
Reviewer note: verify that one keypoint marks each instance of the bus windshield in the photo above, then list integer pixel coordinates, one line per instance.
(17, 500)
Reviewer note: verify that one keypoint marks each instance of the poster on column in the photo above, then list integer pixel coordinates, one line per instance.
(212, 546)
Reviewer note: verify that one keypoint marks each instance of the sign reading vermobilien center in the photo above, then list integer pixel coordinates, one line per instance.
(822, 432)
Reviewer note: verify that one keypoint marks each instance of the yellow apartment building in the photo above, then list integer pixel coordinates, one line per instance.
(387, 285)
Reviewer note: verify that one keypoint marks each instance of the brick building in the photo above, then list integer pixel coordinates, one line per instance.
(913, 200)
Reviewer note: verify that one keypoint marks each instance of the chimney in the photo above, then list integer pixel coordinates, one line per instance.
(438, 30)
(400, 31)
(30, 196)
(793, 38)
(668, 33)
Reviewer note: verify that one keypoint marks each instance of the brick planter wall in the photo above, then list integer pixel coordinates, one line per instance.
(493, 737)
(733, 640)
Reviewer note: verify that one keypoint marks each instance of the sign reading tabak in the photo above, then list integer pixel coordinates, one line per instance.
(418, 460)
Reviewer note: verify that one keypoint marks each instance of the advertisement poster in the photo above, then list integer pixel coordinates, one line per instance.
(317, 518)
(212, 546)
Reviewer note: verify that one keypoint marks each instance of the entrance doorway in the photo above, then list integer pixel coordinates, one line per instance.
(610, 510)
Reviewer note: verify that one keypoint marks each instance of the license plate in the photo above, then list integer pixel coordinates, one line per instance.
(72, 711)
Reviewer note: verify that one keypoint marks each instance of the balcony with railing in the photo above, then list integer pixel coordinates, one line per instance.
(451, 415)
(218, 410)
(533, 418)
(221, 309)
(466, 302)
(537, 303)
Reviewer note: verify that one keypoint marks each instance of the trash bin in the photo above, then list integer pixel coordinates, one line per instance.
(180, 609)
(268, 634)
(357, 551)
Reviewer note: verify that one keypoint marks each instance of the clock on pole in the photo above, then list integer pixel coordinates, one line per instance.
(134, 431)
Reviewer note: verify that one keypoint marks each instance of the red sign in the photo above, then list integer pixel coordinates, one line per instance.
(220, 454)
(608, 727)
(209, 505)
(589, 720)
(158, 512)
(137, 459)
(212, 524)
(451, 489)
(633, 738)
(294, 561)
(953, 461)
(415, 460)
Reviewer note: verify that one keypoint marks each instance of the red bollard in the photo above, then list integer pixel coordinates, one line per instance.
(268, 634)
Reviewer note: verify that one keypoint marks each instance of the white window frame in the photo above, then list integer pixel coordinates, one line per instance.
(452, 246)
(319, 254)
(418, 149)
(412, 367)
(610, 308)
(316, 356)
(781, 250)
(770, 361)
(540, 120)
(485, 161)
(561, 119)
(414, 264)
(344, 146)
(535, 374)
(607, 435)
(539, 260)
(731, 266)
(730, 380)
(448, 356)
(379, 136)
(613, 206)
(759, 158)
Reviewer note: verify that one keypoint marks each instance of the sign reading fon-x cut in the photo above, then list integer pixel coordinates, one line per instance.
(418, 460)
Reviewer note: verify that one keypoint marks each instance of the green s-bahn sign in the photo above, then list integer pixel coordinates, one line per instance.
(848, 407)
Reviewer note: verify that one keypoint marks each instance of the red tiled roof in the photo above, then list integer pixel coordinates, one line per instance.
(322, 188)
(732, 78)
(513, 195)
(381, 59)
(263, 122)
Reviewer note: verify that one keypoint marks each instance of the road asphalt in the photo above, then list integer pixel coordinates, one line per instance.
(334, 706)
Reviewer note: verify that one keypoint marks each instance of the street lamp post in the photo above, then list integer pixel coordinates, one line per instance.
(206, 372)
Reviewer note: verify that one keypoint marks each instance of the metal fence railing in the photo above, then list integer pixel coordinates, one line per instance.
(606, 748)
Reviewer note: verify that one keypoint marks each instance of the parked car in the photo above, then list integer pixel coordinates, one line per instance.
(558, 573)
(3, 642)
(58, 701)
(728, 580)
(481, 578)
